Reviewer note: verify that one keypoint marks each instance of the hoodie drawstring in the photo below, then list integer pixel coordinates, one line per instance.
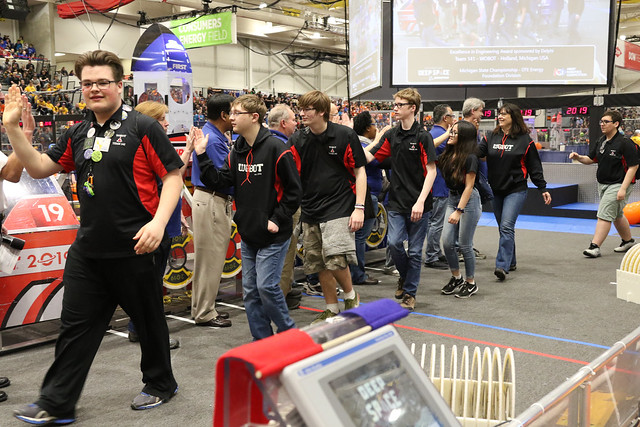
(249, 163)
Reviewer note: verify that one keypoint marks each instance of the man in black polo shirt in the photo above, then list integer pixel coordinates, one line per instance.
(334, 183)
(617, 159)
(413, 166)
(118, 155)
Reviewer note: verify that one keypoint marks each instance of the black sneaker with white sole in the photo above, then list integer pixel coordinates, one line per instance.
(593, 251)
(466, 290)
(149, 401)
(452, 286)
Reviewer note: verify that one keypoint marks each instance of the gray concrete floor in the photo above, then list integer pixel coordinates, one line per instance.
(556, 295)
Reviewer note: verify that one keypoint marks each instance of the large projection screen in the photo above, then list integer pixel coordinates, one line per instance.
(500, 42)
(365, 41)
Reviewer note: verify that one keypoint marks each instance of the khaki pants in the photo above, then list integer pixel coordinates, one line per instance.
(211, 229)
(290, 259)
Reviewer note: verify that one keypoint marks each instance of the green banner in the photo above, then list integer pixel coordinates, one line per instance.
(208, 30)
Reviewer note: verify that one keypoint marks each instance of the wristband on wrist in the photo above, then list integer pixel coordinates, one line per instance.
(359, 206)
(459, 210)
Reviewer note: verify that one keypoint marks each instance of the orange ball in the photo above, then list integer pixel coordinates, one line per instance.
(538, 145)
(632, 212)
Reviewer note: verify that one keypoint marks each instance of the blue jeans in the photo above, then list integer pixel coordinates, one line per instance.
(436, 221)
(261, 293)
(506, 210)
(408, 262)
(357, 271)
(464, 231)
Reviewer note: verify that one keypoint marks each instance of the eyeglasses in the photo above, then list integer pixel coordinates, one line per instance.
(237, 113)
(604, 122)
(449, 115)
(306, 110)
(503, 113)
(401, 104)
(100, 84)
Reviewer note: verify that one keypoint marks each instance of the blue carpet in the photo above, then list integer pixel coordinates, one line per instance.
(579, 206)
(547, 223)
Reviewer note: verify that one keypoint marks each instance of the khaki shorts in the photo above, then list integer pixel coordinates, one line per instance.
(319, 251)
(610, 208)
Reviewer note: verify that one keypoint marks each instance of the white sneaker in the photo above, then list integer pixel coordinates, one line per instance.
(625, 246)
(593, 251)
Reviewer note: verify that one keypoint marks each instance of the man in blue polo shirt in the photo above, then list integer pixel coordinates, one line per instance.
(212, 213)
(434, 258)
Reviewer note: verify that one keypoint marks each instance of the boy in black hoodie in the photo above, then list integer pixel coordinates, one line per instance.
(268, 192)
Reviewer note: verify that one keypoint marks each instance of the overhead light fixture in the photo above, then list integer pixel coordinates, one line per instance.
(623, 37)
(58, 54)
(262, 5)
(315, 35)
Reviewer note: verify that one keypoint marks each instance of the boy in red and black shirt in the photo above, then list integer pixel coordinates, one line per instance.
(331, 164)
(413, 172)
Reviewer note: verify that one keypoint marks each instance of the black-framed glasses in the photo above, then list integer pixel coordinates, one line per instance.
(401, 104)
(237, 113)
(306, 110)
(604, 122)
(100, 84)
(503, 113)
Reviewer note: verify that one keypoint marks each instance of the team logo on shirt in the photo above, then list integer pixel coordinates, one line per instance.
(118, 139)
(413, 146)
(506, 147)
(613, 153)
(332, 150)
(251, 168)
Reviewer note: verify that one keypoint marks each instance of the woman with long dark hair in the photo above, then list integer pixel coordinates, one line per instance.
(459, 166)
(511, 158)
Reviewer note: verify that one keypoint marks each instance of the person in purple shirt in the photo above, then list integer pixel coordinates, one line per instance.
(212, 213)
(443, 118)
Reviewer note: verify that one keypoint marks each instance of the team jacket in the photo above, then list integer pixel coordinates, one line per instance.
(266, 183)
(510, 162)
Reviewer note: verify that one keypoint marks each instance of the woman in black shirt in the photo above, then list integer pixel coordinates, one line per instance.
(459, 166)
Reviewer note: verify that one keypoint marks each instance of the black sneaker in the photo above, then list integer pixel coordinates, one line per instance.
(293, 298)
(452, 286)
(438, 265)
(625, 246)
(500, 274)
(34, 414)
(400, 289)
(466, 290)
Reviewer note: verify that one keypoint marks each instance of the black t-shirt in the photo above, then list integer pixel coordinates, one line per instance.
(410, 151)
(470, 166)
(124, 179)
(614, 157)
(326, 163)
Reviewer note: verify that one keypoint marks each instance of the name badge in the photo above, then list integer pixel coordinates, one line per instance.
(102, 144)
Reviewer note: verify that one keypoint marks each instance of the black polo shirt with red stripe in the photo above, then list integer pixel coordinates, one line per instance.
(124, 179)
(614, 157)
(410, 151)
(326, 163)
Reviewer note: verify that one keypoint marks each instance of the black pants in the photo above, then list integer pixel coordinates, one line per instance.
(93, 288)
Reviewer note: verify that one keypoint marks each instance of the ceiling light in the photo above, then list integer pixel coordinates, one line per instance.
(623, 37)
(262, 5)
(315, 35)
(59, 54)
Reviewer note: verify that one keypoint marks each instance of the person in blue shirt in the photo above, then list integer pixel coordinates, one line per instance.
(365, 127)
(282, 124)
(443, 118)
(211, 213)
